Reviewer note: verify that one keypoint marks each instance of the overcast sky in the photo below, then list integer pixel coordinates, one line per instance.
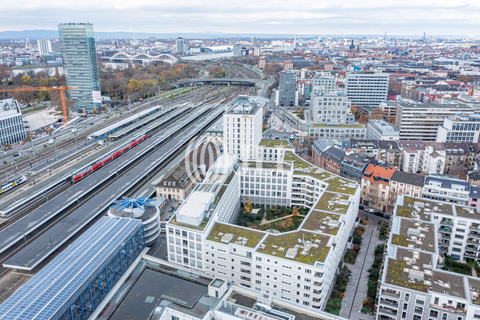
(413, 17)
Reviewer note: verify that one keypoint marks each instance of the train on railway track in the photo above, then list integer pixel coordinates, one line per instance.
(12, 184)
(79, 175)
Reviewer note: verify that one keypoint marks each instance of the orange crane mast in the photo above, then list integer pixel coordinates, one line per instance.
(62, 95)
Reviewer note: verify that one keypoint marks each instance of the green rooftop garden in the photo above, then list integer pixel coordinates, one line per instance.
(340, 185)
(266, 165)
(395, 273)
(317, 175)
(323, 204)
(400, 240)
(220, 229)
(277, 245)
(275, 143)
(230, 177)
(297, 161)
(403, 211)
(316, 219)
(324, 125)
(219, 195)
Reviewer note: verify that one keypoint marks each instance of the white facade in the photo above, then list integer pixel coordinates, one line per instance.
(44, 46)
(332, 107)
(345, 131)
(420, 121)
(323, 85)
(367, 89)
(12, 129)
(243, 130)
(449, 190)
(381, 130)
(460, 128)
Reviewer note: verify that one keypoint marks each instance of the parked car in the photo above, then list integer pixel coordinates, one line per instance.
(171, 209)
(361, 207)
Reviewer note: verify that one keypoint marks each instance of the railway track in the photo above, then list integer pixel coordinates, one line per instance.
(22, 165)
(57, 219)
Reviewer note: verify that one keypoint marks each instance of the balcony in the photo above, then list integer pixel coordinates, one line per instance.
(474, 234)
(317, 284)
(391, 293)
(387, 311)
(445, 229)
(245, 271)
(389, 303)
(446, 222)
(470, 254)
(448, 308)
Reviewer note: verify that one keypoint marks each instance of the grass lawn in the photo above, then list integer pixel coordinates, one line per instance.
(282, 226)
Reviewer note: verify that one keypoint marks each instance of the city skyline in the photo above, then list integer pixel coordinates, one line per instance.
(269, 17)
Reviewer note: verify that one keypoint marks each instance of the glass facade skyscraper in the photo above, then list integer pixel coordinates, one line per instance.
(80, 64)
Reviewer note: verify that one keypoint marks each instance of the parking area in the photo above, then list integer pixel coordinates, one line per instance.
(277, 135)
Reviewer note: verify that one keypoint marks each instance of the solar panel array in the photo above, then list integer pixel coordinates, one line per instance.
(46, 294)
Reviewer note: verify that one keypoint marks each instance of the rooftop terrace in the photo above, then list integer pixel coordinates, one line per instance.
(467, 212)
(298, 163)
(224, 233)
(301, 246)
(422, 209)
(314, 173)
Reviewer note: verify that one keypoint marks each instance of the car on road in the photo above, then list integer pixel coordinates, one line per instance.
(15, 155)
(371, 210)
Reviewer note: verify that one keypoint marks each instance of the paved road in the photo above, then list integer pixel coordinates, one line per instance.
(357, 287)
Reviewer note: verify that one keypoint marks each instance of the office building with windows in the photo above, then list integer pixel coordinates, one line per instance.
(460, 128)
(367, 88)
(333, 108)
(80, 65)
(381, 130)
(12, 129)
(287, 93)
(323, 85)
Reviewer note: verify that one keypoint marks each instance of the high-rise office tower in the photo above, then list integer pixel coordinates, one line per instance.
(44, 46)
(254, 41)
(80, 65)
(180, 45)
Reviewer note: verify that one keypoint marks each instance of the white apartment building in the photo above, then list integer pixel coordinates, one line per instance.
(322, 85)
(381, 130)
(332, 107)
(242, 125)
(460, 128)
(448, 190)
(12, 129)
(297, 266)
(44, 46)
(367, 88)
(420, 121)
(414, 283)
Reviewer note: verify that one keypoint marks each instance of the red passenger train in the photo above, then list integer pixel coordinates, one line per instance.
(100, 163)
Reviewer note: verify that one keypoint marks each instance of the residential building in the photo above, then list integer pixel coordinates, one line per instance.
(474, 198)
(412, 155)
(287, 89)
(460, 128)
(458, 155)
(365, 147)
(80, 65)
(381, 130)
(447, 190)
(243, 127)
(415, 282)
(353, 166)
(403, 183)
(376, 187)
(299, 266)
(389, 153)
(433, 158)
(44, 46)
(273, 150)
(389, 108)
(367, 88)
(474, 178)
(12, 129)
(180, 45)
(420, 121)
(331, 108)
(338, 131)
(331, 159)
(323, 85)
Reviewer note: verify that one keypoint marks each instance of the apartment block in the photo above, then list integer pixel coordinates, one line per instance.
(447, 190)
(416, 281)
(376, 187)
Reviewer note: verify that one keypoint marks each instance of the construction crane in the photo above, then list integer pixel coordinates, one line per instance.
(62, 95)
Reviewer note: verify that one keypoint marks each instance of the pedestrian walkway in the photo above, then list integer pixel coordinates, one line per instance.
(357, 286)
